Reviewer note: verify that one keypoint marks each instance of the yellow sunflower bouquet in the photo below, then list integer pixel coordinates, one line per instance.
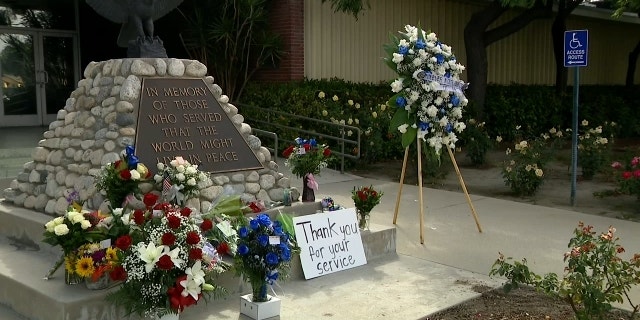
(95, 261)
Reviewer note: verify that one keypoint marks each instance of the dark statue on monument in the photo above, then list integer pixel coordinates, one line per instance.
(137, 18)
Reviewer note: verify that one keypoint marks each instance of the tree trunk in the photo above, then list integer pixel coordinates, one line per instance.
(558, 28)
(557, 34)
(476, 50)
(477, 38)
(631, 67)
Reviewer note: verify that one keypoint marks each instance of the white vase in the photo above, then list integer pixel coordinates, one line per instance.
(169, 316)
(259, 310)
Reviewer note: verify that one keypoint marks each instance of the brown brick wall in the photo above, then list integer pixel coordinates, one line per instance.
(287, 20)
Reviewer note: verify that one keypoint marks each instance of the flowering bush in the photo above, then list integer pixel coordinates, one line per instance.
(523, 171)
(428, 91)
(167, 264)
(595, 275)
(629, 176)
(476, 141)
(593, 150)
(306, 156)
(179, 180)
(118, 179)
(264, 253)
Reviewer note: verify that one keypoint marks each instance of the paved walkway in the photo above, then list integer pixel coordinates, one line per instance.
(424, 278)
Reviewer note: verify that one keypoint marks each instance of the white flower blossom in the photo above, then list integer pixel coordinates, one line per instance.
(61, 230)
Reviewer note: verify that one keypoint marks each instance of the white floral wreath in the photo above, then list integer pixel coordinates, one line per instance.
(429, 94)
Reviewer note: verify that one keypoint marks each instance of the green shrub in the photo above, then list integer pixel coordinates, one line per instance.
(535, 107)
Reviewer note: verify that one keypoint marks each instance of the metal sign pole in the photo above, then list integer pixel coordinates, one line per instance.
(574, 134)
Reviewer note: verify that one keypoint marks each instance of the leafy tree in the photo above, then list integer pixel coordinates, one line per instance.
(621, 7)
(353, 7)
(477, 38)
(234, 43)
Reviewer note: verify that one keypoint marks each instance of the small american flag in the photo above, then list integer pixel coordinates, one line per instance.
(166, 185)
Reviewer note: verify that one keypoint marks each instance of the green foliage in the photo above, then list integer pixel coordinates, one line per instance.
(353, 7)
(594, 148)
(595, 276)
(476, 141)
(523, 171)
(233, 43)
(628, 176)
(361, 105)
(538, 108)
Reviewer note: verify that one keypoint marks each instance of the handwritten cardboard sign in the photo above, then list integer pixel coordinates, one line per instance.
(329, 242)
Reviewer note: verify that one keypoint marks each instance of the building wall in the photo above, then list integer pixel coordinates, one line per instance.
(337, 45)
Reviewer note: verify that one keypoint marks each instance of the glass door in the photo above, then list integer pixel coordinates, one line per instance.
(58, 73)
(38, 73)
(19, 104)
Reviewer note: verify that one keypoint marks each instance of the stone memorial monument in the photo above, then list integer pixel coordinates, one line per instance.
(101, 117)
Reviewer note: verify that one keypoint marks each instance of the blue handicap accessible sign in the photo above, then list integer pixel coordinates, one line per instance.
(576, 48)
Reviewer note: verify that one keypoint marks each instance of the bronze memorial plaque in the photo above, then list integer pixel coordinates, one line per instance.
(181, 117)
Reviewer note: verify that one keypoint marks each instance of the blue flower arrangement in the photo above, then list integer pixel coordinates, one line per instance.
(264, 253)
(428, 92)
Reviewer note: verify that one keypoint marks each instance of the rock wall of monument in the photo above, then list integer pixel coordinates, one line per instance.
(99, 120)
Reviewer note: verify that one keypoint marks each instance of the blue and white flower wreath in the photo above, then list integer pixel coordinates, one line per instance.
(429, 94)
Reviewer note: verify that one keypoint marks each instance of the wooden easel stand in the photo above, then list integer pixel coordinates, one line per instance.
(420, 197)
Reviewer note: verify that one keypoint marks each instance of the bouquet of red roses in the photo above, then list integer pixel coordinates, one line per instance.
(166, 262)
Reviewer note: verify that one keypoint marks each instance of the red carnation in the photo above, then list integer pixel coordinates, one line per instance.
(138, 217)
(307, 147)
(193, 237)
(326, 152)
(288, 151)
(162, 206)
(223, 248)
(118, 274)
(173, 222)
(168, 239)
(627, 175)
(150, 199)
(125, 175)
(636, 173)
(123, 242)
(165, 262)
(195, 254)
(206, 225)
(362, 196)
(185, 212)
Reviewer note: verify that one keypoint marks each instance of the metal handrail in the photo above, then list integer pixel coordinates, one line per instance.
(342, 140)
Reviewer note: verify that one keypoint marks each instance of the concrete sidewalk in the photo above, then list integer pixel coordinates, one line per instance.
(423, 278)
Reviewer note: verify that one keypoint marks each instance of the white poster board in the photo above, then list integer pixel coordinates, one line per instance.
(329, 242)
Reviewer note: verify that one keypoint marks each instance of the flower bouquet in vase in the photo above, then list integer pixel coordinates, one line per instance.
(166, 263)
(306, 158)
(95, 262)
(70, 232)
(119, 179)
(365, 199)
(263, 255)
(179, 180)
